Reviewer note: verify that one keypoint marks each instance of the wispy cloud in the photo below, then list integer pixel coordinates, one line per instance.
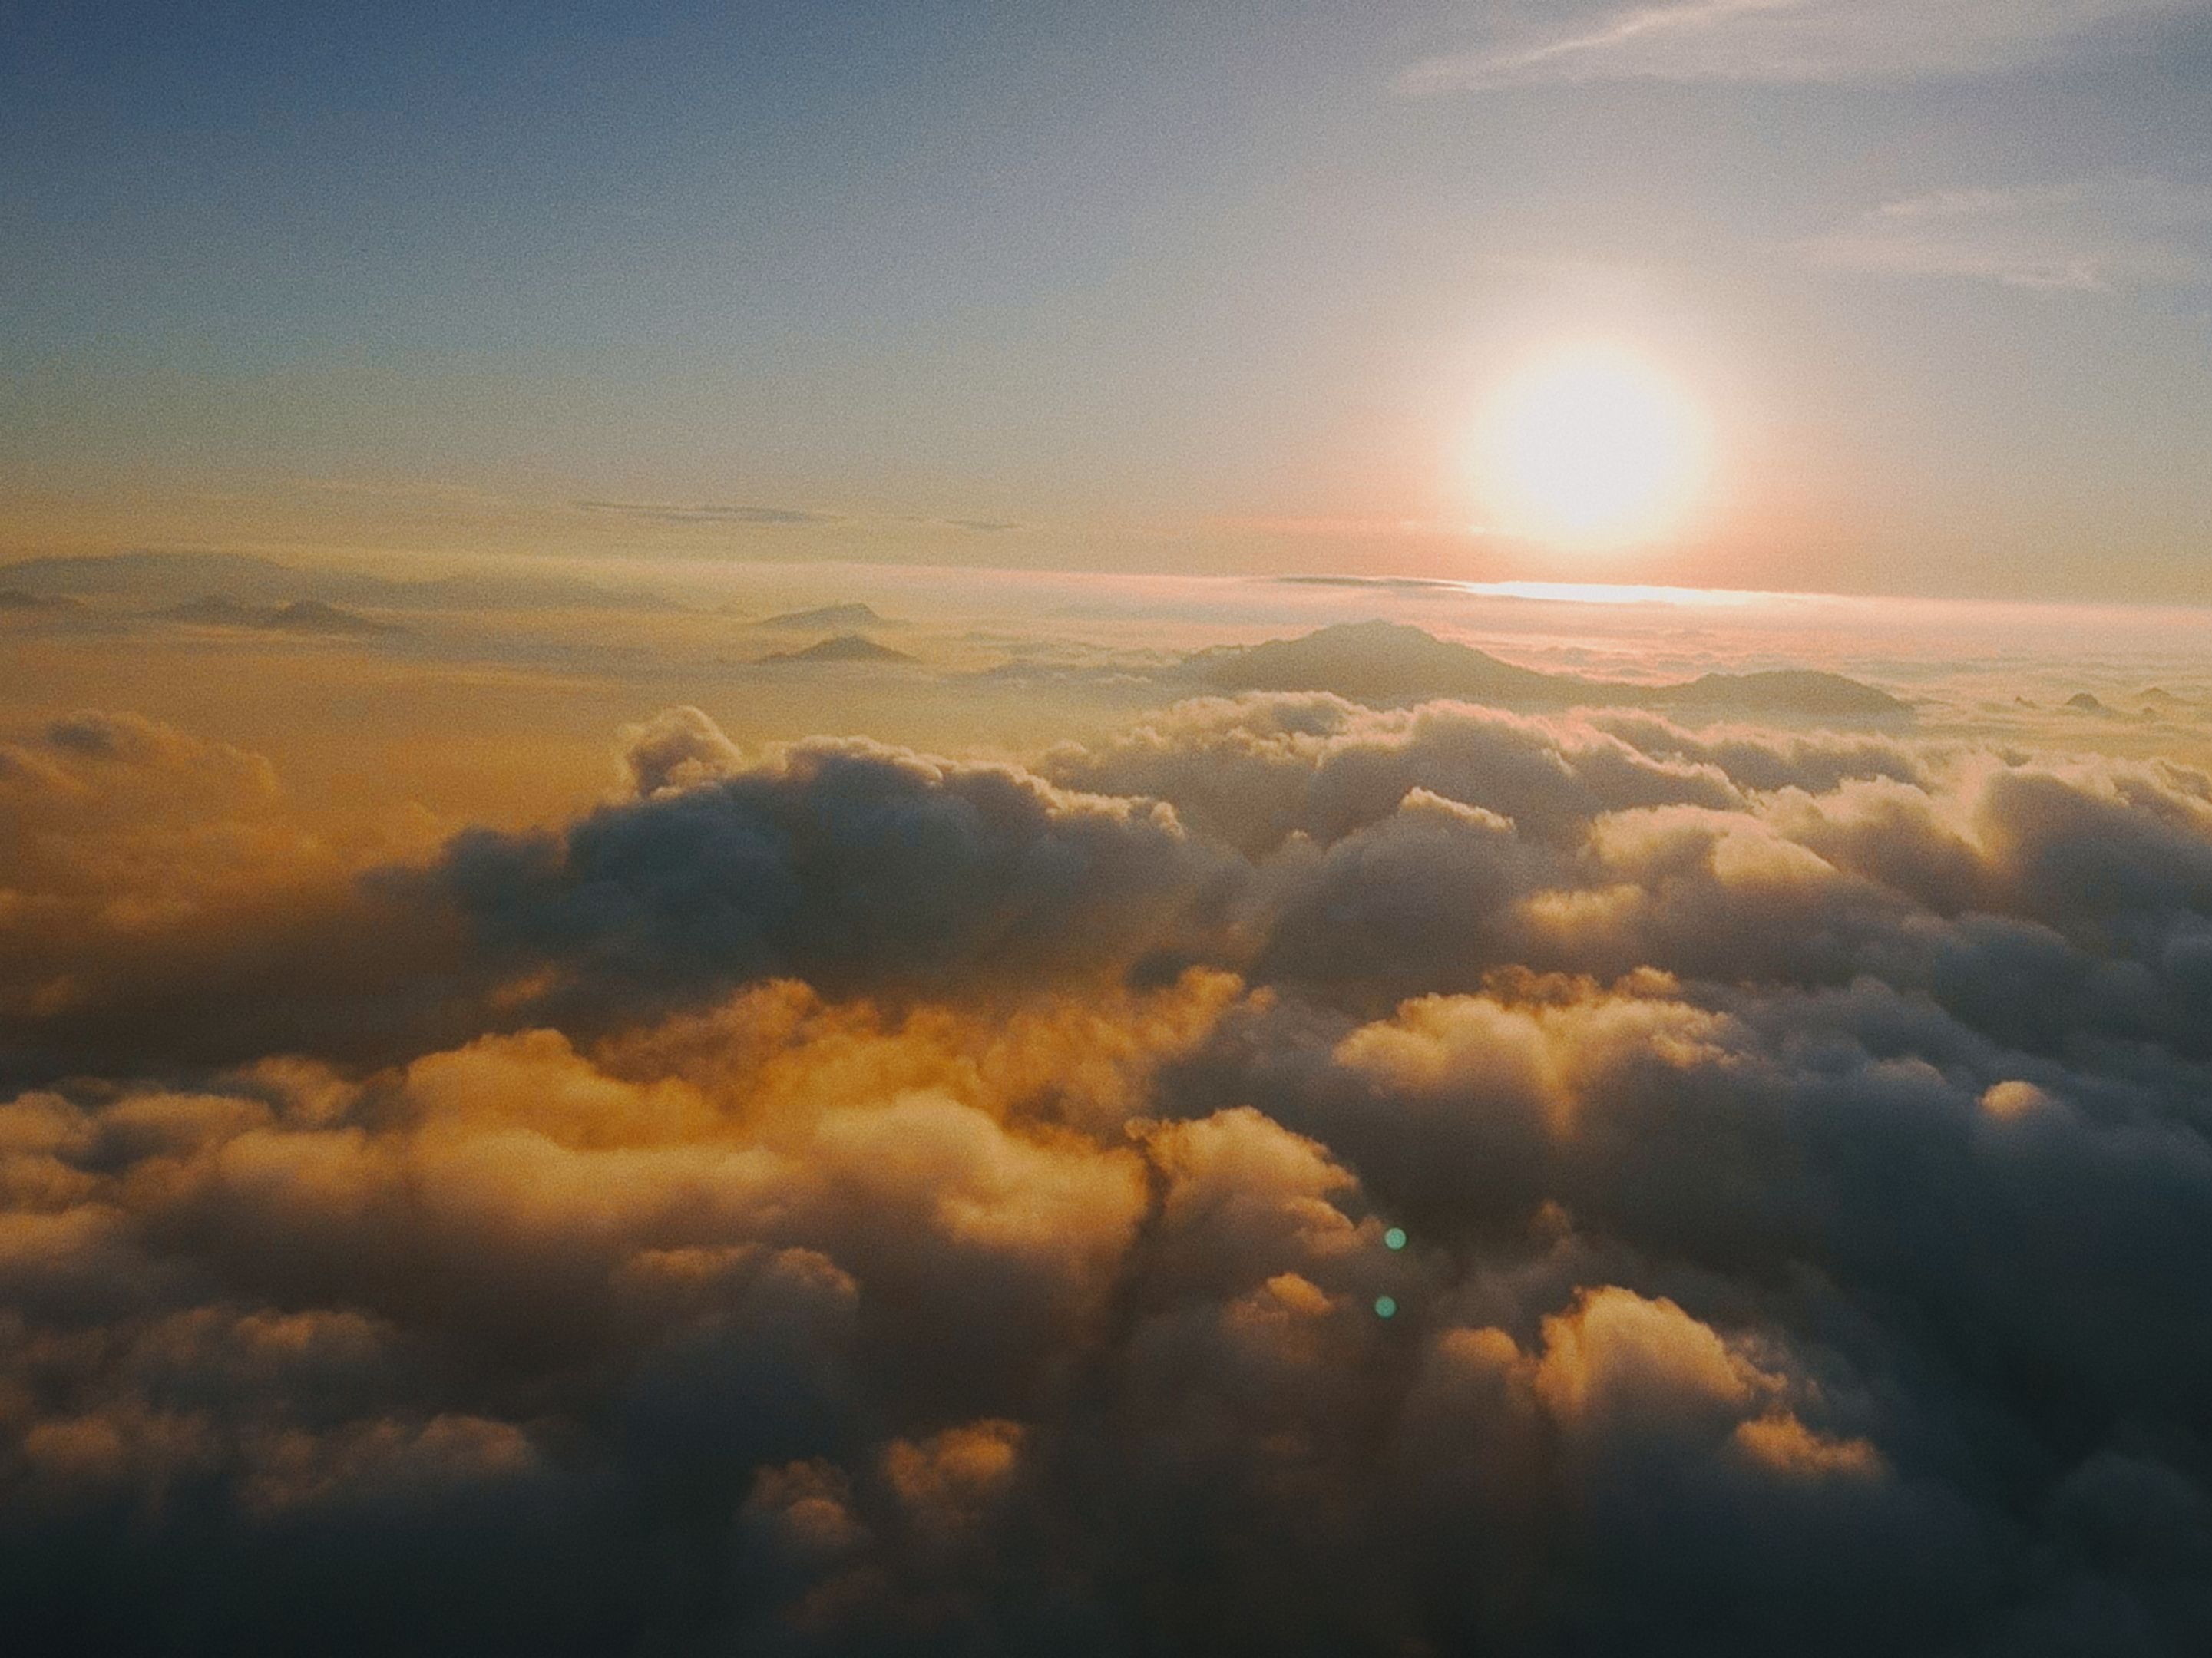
(661, 513)
(776, 517)
(2091, 236)
(1788, 41)
(977, 526)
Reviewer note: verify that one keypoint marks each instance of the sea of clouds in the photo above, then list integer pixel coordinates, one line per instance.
(828, 1198)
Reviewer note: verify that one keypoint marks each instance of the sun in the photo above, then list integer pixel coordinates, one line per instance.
(1591, 447)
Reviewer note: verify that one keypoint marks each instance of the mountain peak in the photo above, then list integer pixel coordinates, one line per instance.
(844, 648)
(1380, 661)
(848, 617)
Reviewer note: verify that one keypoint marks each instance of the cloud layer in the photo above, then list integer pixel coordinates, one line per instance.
(833, 1199)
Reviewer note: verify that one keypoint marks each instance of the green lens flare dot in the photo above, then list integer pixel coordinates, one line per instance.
(1394, 1238)
(1385, 1306)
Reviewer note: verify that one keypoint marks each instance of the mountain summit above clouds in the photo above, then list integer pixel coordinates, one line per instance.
(1389, 662)
(301, 615)
(827, 616)
(844, 648)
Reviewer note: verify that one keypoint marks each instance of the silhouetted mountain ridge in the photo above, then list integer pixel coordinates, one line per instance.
(304, 615)
(849, 618)
(16, 599)
(845, 648)
(254, 581)
(1388, 662)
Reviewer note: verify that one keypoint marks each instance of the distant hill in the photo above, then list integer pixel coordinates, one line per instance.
(845, 648)
(134, 572)
(1377, 661)
(1786, 690)
(305, 616)
(1386, 662)
(15, 599)
(848, 617)
(254, 581)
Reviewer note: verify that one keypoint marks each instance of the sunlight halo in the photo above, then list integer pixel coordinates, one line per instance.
(1591, 448)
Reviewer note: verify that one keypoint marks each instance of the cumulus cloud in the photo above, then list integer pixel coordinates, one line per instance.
(845, 863)
(1289, 1177)
(161, 897)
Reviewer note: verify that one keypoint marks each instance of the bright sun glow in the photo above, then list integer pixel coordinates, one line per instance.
(1592, 447)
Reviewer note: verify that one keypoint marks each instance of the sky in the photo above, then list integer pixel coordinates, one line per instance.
(1119, 286)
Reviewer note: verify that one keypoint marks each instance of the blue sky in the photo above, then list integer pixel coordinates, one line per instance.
(1199, 285)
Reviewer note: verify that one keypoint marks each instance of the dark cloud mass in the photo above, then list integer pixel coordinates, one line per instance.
(830, 1199)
